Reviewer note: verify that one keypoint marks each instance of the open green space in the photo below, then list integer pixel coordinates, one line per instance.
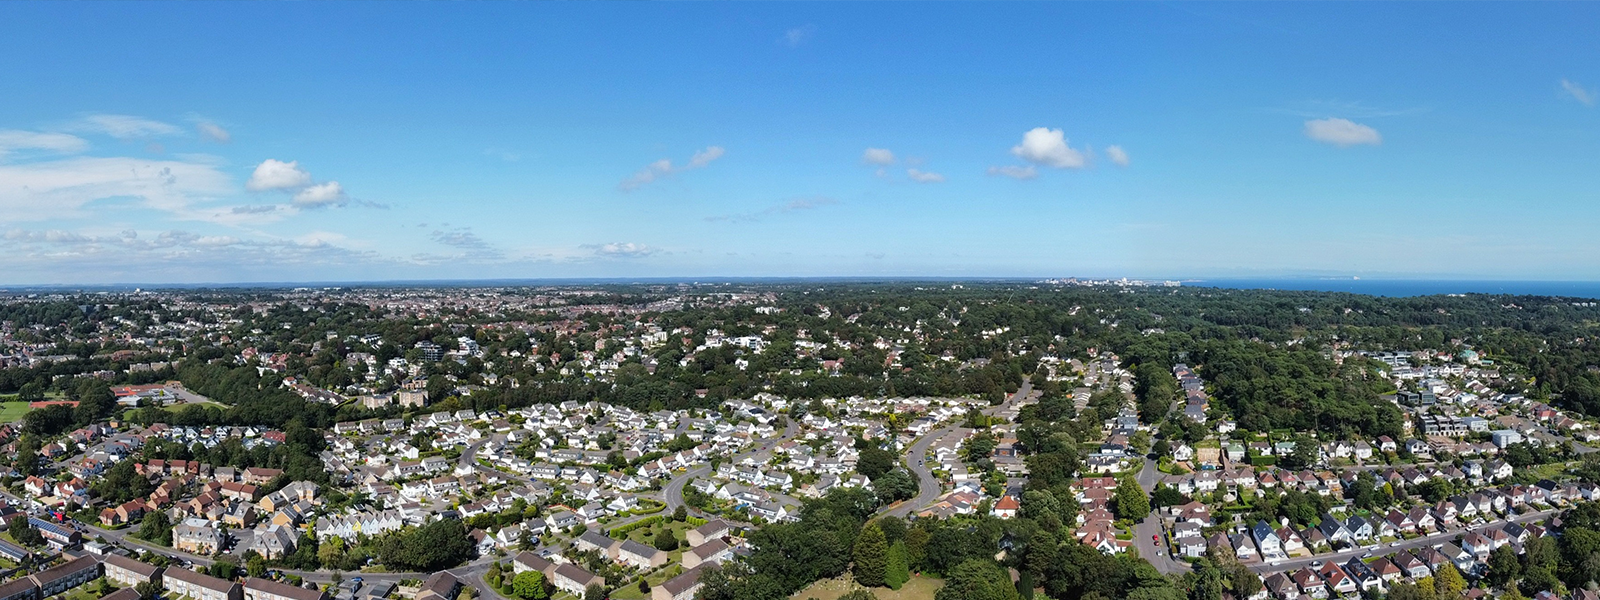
(11, 412)
(631, 591)
(919, 588)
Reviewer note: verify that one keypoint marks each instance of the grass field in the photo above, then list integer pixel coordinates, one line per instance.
(919, 588)
(12, 411)
(631, 591)
(180, 407)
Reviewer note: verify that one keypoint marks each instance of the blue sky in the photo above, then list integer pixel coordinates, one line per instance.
(238, 142)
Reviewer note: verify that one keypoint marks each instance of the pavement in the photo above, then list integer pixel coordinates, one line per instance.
(672, 493)
(1158, 553)
(929, 488)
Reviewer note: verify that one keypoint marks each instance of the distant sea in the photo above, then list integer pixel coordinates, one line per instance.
(1402, 287)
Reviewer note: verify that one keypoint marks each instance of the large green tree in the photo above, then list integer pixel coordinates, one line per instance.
(898, 571)
(1131, 501)
(530, 585)
(871, 557)
(977, 579)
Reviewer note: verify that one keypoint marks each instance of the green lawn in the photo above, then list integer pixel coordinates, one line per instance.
(631, 591)
(919, 588)
(87, 591)
(180, 407)
(12, 411)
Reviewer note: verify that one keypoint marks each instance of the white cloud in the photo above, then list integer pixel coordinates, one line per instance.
(1015, 172)
(273, 174)
(704, 157)
(320, 195)
(214, 132)
(1048, 147)
(1342, 132)
(12, 140)
(622, 250)
(173, 255)
(1578, 92)
(125, 126)
(795, 205)
(61, 188)
(878, 156)
(653, 171)
(795, 36)
(1117, 155)
(664, 167)
(921, 176)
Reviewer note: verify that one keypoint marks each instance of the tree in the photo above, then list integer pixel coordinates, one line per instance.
(898, 571)
(977, 579)
(223, 569)
(871, 554)
(680, 514)
(27, 461)
(432, 547)
(1042, 553)
(1303, 456)
(1207, 583)
(1166, 495)
(530, 585)
(1245, 582)
(147, 590)
(594, 592)
(1405, 591)
(895, 485)
(874, 462)
(255, 565)
(330, 553)
(1131, 501)
(1503, 566)
(665, 541)
(1449, 583)
(155, 528)
(1538, 579)
(644, 586)
(24, 532)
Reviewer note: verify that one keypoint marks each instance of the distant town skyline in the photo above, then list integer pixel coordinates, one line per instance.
(279, 142)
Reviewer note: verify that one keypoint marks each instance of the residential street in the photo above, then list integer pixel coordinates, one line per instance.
(1158, 553)
(929, 487)
(1381, 549)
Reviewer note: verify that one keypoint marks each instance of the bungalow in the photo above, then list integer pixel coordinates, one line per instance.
(1310, 583)
(1413, 567)
(1282, 586)
(1387, 569)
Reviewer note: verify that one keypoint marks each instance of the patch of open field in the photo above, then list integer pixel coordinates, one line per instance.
(919, 588)
(12, 411)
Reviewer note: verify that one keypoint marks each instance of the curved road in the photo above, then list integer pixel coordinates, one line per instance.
(672, 493)
(929, 488)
